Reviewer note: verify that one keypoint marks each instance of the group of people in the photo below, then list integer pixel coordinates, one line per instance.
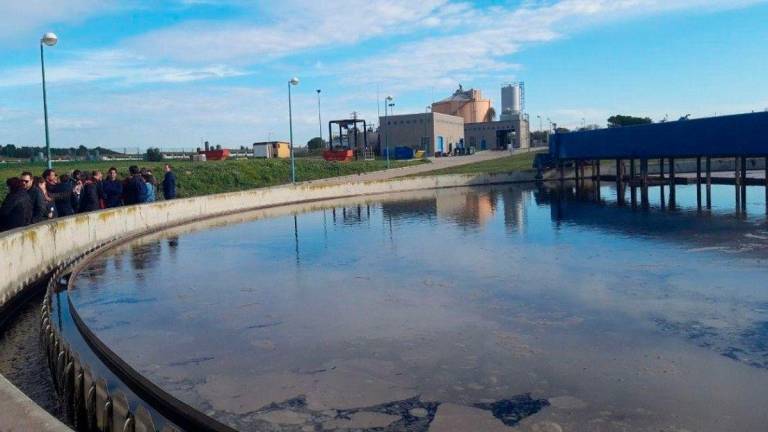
(33, 199)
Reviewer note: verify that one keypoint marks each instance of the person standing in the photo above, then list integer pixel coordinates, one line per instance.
(169, 183)
(150, 184)
(16, 210)
(112, 189)
(77, 179)
(61, 191)
(134, 190)
(35, 196)
(89, 197)
(43, 206)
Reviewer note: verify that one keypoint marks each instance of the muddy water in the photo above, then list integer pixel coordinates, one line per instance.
(492, 309)
(23, 359)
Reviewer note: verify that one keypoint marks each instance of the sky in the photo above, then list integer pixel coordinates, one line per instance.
(141, 73)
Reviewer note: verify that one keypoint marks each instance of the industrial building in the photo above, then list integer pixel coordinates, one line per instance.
(467, 104)
(462, 121)
(435, 133)
(512, 132)
(499, 135)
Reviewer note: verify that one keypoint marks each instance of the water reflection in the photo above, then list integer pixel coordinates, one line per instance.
(533, 307)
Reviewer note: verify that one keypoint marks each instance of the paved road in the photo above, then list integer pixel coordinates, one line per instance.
(437, 163)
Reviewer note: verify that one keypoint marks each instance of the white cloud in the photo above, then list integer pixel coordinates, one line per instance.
(293, 26)
(485, 49)
(120, 67)
(22, 17)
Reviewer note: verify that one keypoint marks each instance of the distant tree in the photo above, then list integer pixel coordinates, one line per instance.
(490, 115)
(154, 155)
(589, 127)
(315, 143)
(625, 120)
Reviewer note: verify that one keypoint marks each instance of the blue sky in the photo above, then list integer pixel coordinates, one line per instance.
(139, 73)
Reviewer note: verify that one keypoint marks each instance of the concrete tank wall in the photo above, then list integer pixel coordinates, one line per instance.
(31, 253)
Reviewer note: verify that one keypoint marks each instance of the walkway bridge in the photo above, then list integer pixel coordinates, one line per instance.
(741, 137)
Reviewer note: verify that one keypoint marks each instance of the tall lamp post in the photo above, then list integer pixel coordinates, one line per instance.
(387, 103)
(294, 81)
(49, 39)
(319, 118)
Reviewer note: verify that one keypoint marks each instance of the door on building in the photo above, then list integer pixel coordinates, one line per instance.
(503, 139)
(483, 144)
(440, 144)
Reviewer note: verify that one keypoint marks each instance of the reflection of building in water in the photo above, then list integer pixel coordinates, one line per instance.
(514, 201)
(465, 208)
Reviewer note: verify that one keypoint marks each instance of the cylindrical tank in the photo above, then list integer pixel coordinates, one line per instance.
(511, 98)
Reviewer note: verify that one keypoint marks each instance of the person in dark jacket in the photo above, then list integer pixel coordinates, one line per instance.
(16, 210)
(169, 183)
(98, 178)
(113, 189)
(77, 179)
(43, 205)
(61, 190)
(134, 189)
(89, 197)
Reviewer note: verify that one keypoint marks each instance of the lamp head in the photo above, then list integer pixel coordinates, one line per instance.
(294, 81)
(389, 98)
(49, 39)
(318, 91)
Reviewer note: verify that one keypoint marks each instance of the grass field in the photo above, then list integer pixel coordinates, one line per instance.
(203, 178)
(518, 162)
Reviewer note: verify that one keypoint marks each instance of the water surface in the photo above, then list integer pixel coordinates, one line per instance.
(495, 308)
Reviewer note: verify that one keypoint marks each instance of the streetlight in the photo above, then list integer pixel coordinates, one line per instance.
(319, 118)
(293, 81)
(387, 103)
(540, 127)
(49, 39)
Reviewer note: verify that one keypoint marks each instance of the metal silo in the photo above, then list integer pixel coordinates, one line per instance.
(512, 98)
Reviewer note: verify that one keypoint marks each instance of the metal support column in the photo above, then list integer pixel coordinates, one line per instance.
(632, 192)
(743, 184)
(576, 172)
(737, 183)
(672, 183)
(661, 171)
(620, 184)
(644, 183)
(698, 183)
(709, 183)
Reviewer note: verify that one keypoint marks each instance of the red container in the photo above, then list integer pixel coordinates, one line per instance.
(339, 155)
(213, 155)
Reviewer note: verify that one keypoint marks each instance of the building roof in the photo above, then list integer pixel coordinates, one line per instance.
(461, 95)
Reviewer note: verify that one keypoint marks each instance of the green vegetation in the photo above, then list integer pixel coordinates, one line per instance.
(203, 178)
(518, 162)
(153, 154)
(316, 143)
(11, 151)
